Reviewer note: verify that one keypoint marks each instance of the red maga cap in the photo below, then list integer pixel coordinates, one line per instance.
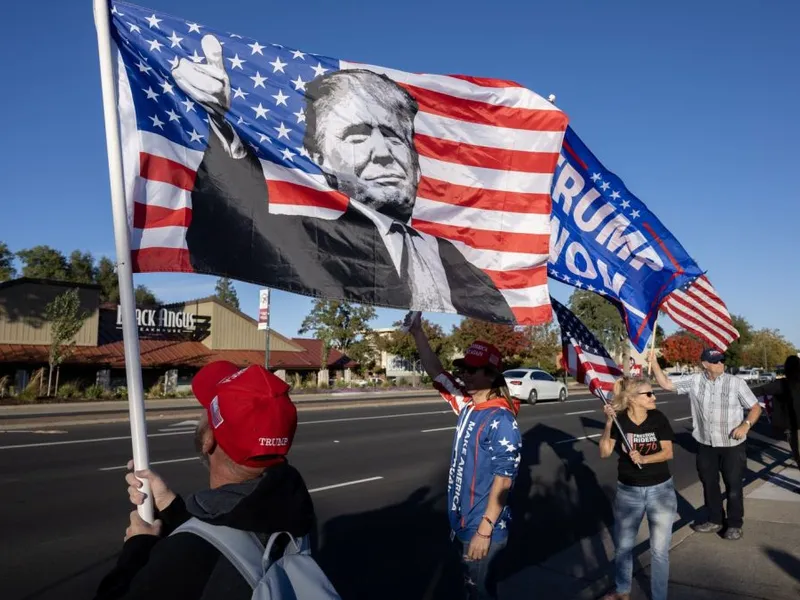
(249, 411)
(481, 354)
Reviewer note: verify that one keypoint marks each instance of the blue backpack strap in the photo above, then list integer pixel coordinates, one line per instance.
(242, 549)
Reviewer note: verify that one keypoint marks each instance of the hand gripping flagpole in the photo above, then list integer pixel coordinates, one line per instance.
(622, 435)
(130, 333)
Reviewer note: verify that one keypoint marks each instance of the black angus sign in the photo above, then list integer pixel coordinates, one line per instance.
(160, 322)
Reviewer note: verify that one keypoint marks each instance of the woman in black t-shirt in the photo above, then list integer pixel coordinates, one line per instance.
(646, 490)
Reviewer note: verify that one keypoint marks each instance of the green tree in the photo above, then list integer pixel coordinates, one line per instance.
(80, 268)
(144, 296)
(767, 348)
(338, 324)
(43, 262)
(402, 344)
(66, 319)
(106, 278)
(226, 293)
(513, 345)
(733, 355)
(7, 270)
(545, 347)
(601, 318)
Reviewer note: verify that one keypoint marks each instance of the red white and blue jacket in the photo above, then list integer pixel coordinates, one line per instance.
(487, 443)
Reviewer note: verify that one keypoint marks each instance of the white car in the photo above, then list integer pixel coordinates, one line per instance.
(532, 385)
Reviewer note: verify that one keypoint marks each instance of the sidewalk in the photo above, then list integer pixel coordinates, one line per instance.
(765, 564)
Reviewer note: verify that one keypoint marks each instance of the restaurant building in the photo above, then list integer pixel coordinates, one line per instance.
(175, 340)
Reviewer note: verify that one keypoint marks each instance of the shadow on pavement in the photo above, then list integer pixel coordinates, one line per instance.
(790, 564)
(85, 579)
(554, 508)
(400, 551)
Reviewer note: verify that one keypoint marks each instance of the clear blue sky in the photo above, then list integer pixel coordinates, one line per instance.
(693, 104)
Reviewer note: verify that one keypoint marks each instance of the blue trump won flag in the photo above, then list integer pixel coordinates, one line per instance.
(605, 240)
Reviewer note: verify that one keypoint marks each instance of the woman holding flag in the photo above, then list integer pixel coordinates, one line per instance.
(644, 483)
(485, 456)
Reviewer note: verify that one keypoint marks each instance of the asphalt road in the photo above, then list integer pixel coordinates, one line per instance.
(378, 477)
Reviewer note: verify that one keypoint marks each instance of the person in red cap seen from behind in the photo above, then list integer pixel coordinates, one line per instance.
(485, 456)
(243, 437)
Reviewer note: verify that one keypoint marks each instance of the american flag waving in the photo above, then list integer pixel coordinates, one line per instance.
(698, 308)
(584, 356)
(228, 171)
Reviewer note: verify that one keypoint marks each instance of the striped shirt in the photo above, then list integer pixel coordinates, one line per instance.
(717, 406)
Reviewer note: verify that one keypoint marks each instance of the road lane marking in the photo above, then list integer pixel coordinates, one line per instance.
(577, 439)
(311, 491)
(439, 429)
(345, 484)
(188, 431)
(580, 412)
(90, 441)
(376, 417)
(684, 418)
(157, 462)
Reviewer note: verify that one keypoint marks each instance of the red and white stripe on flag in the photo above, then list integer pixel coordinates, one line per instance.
(596, 371)
(699, 309)
(487, 149)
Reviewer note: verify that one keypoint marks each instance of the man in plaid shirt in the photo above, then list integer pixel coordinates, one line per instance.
(718, 402)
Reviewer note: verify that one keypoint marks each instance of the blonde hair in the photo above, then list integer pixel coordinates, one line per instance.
(500, 390)
(624, 389)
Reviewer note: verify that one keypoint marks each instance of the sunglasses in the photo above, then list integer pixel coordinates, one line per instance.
(648, 394)
(470, 370)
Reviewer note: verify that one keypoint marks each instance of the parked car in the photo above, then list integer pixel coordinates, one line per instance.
(532, 385)
(751, 376)
(768, 376)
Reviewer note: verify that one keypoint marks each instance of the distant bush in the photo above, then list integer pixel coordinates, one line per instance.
(341, 383)
(94, 392)
(121, 392)
(71, 389)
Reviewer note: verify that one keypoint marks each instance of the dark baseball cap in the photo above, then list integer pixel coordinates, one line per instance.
(712, 355)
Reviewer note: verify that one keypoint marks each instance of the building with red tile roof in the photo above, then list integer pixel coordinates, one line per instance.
(180, 337)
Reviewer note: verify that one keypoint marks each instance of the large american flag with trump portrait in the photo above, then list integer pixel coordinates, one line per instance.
(487, 152)
(584, 356)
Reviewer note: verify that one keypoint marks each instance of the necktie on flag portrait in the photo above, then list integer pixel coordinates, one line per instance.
(605, 240)
(328, 178)
(584, 356)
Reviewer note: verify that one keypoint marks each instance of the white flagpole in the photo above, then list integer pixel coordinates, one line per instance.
(652, 347)
(130, 333)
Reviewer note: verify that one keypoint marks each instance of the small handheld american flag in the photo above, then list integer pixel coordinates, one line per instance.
(586, 360)
(584, 356)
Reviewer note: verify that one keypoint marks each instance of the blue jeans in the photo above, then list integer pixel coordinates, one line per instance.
(660, 504)
(477, 583)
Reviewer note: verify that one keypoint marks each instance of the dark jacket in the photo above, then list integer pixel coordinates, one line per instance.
(232, 233)
(184, 566)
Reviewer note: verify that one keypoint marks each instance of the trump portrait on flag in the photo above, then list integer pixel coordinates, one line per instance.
(360, 132)
(311, 175)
